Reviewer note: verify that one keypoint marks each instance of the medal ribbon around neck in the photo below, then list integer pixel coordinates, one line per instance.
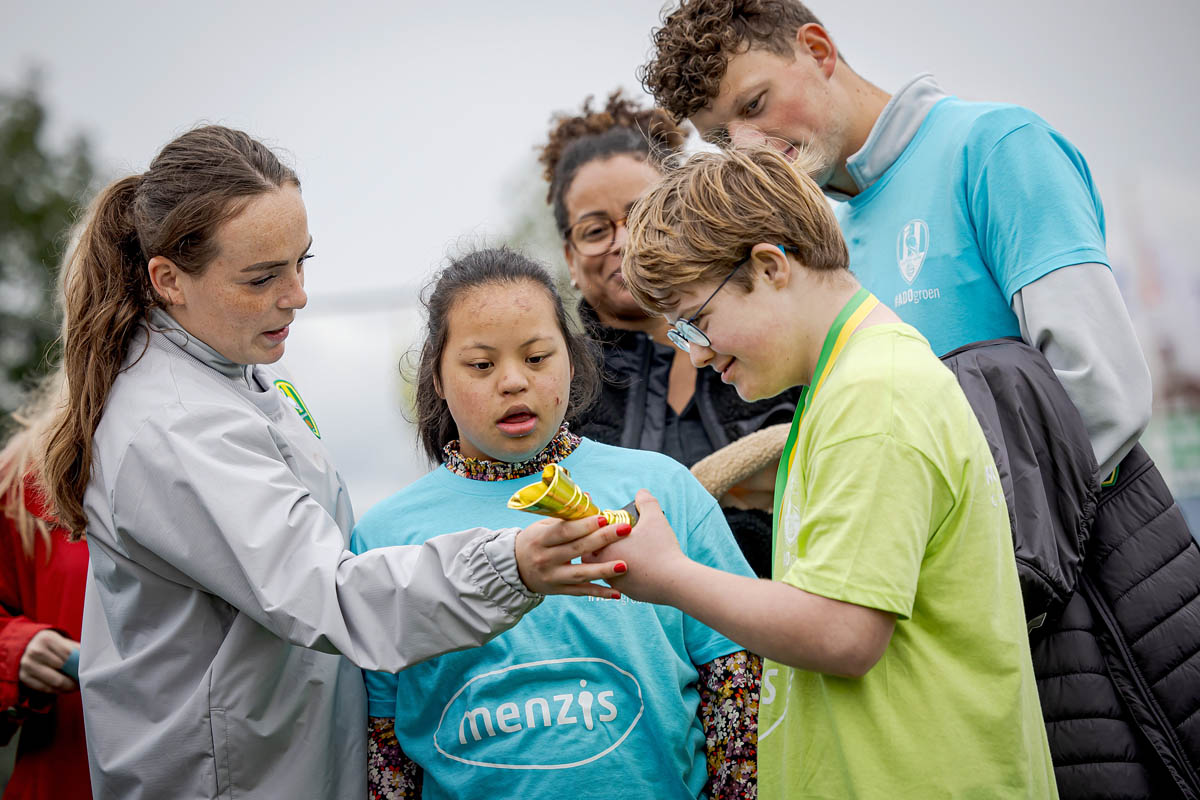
(853, 313)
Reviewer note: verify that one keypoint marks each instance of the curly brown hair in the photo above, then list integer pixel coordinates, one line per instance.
(622, 127)
(696, 41)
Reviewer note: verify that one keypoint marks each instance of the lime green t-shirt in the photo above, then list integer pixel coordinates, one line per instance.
(893, 502)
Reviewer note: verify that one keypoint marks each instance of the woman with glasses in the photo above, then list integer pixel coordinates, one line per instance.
(598, 163)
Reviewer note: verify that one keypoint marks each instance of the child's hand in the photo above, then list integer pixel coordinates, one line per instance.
(652, 555)
(546, 549)
(45, 654)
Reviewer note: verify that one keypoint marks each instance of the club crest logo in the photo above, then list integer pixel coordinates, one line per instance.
(912, 245)
(287, 390)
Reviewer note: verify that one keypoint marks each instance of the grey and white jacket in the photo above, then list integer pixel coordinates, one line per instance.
(225, 620)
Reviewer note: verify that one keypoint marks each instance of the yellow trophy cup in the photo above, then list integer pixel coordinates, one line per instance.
(557, 495)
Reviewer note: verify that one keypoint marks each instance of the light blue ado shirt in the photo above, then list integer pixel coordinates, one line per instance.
(985, 199)
(585, 698)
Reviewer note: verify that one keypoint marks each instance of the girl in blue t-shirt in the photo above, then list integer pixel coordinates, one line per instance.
(590, 697)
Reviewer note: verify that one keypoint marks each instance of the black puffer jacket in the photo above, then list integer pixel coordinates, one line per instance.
(1045, 462)
(1116, 574)
(632, 411)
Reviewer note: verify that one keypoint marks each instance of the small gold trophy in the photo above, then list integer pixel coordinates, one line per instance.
(557, 495)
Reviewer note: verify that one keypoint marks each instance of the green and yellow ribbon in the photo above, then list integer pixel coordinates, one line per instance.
(853, 313)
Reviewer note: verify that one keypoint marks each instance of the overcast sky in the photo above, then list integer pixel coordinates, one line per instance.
(412, 127)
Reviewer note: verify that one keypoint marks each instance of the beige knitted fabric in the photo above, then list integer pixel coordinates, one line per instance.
(723, 469)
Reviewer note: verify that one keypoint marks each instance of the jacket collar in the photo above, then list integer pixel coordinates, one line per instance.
(892, 132)
(163, 323)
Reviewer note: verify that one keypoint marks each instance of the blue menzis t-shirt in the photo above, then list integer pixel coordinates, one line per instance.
(584, 698)
(986, 199)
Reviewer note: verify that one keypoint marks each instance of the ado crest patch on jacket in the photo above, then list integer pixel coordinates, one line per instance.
(289, 391)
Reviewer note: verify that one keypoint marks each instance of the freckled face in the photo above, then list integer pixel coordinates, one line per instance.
(784, 102)
(746, 349)
(242, 303)
(505, 373)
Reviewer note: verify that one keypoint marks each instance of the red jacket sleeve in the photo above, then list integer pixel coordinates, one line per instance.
(15, 633)
(15, 629)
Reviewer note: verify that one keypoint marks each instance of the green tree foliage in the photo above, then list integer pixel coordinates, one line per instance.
(41, 192)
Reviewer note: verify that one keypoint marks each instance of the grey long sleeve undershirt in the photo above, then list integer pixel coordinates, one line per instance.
(1075, 316)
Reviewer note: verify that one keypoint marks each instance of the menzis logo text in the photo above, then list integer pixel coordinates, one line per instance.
(572, 709)
(552, 714)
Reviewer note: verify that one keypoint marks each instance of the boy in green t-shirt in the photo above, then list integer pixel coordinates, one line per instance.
(898, 660)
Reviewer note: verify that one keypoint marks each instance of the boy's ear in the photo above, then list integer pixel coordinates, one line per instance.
(814, 40)
(772, 263)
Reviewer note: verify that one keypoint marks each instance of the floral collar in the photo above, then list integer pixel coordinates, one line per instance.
(561, 446)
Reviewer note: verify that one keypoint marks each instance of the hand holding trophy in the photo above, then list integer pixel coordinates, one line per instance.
(557, 495)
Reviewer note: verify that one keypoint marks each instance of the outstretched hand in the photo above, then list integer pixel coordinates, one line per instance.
(652, 553)
(547, 548)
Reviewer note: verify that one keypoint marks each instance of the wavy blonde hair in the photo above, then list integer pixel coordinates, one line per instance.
(702, 219)
(18, 463)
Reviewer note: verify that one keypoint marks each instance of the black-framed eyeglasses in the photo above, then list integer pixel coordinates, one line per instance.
(593, 235)
(684, 333)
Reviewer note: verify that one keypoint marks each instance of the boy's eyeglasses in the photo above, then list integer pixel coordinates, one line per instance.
(594, 235)
(684, 333)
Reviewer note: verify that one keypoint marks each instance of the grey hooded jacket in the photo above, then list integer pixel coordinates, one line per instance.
(222, 598)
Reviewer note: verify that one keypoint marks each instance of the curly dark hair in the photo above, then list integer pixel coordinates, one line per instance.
(621, 128)
(696, 41)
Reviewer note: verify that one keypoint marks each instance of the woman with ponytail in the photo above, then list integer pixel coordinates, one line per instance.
(225, 620)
